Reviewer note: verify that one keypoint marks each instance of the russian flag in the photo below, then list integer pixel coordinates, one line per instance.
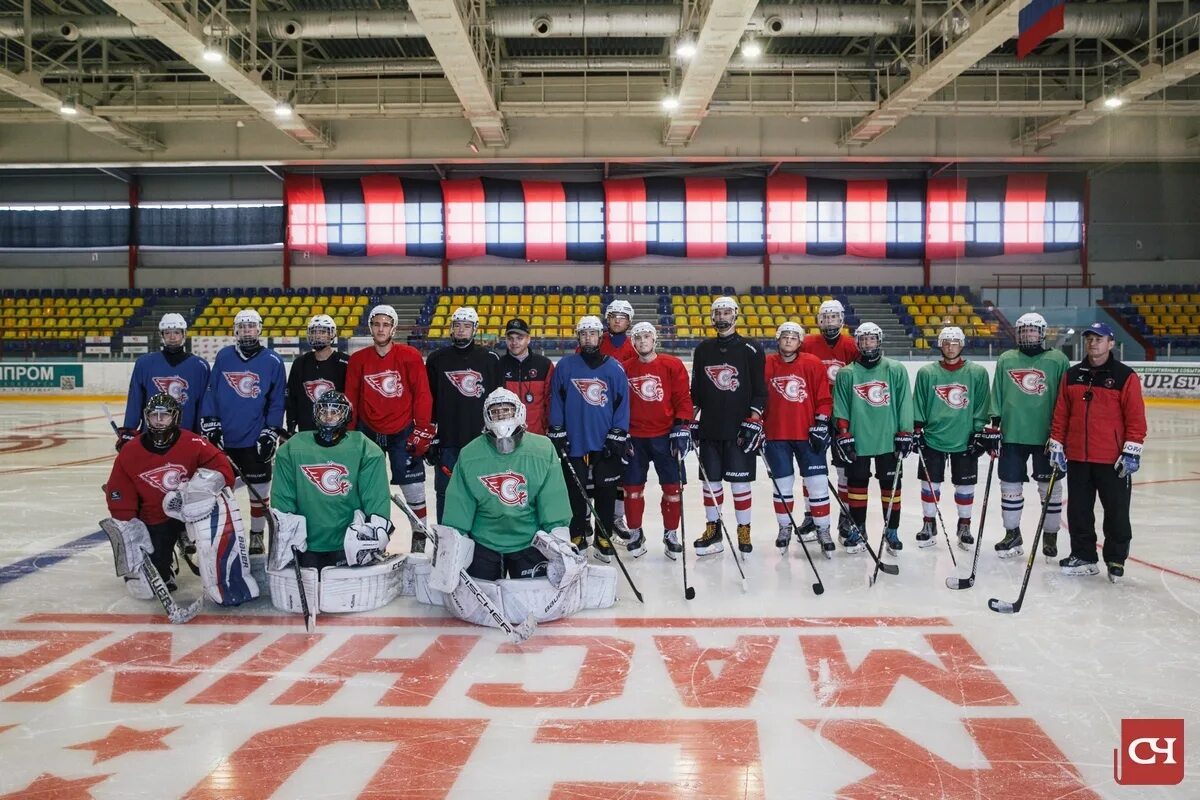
(1038, 20)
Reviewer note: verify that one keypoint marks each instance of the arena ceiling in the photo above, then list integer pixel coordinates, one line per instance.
(309, 77)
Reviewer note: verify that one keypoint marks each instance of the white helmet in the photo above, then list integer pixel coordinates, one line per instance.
(951, 334)
(641, 329)
(1036, 324)
(504, 428)
(830, 318)
(465, 314)
(589, 323)
(322, 321)
(386, 311)
(719, 304)
(789, 327)
(639, 334)
(247, 318)
(172, 322)
(620, 307)
(869, 329)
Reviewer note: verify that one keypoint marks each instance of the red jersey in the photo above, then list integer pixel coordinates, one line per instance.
(623, 353)
(1098, 410)
(141, 477)
(796, 393)
(388, 392)
(843, 352)
(659, 394)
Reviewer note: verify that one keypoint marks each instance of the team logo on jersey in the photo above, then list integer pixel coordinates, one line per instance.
(876, 393)
(173, 385)
(647, 387)
(509, 487)
(723, 376)
(330, 478)
(165, 478)
(793, 388)
(244, 383)
(468, 382)
(832, 368)
(594, 390)
(1029, 381)
(953, 394)
(314, 389)
(387, 383)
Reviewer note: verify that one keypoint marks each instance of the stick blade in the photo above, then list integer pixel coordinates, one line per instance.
(523, 631)
(310, 622)
(1003, 606)
(818, 588)
(960, 583)
(890, 569)
(689, 594)
(184, 615)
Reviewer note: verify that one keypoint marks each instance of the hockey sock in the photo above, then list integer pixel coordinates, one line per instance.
(964, 498)
(885, 495)
(842, 485)
(816, 488)
(714, 498)
(414, 495)
(857, 500)
(741, 502)
(807, 506)
(258, 513)
(619, 511)
(784, 499)
(1054, 509)
(634, 506)
(671, 506)
(931, 493)
(1012, 503)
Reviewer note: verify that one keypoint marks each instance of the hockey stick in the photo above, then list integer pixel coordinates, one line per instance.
(689, 593)
(887, 520)
(176, 614)
(937, 506)
(889, 569)
(583, 492)
(967, 583)
(518, 633)
(1002, 607)
(818, 587)
(721, 521)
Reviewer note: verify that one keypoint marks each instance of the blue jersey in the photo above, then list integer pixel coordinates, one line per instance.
(588, 402)
(245, 394)
(186, 382)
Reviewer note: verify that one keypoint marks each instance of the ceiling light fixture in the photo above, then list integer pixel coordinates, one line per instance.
(1113, 102)
(751, 49)
(283, 109)
(68, 107)
(213, 55)
(670, 103)
(686, 48)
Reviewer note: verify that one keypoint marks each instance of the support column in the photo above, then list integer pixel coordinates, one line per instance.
(132, 264)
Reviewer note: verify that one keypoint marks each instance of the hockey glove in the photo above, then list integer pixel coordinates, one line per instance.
(680, 439)
(844, 447)
(421, 439)
(693, 427)
(986, 441)
(1058, 458)
(124, 436)
(616, 446)
(818, 434)
(918, 437)
(558, 437)
(433, 455)
(210, 428)
(1130, 460)
(902, 444)
(750, 436)
(268, 443)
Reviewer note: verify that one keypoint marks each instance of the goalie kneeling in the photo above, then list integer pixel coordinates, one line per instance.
(506, 491)
(331, 508)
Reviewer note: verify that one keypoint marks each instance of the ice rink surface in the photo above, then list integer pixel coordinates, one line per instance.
(901, 690)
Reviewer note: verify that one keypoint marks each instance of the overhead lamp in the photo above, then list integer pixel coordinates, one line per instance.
(685, 48)
(213, 54)
(283, 109)
(751, 49)
(1113, 102)
(670, 103)
(68, 107)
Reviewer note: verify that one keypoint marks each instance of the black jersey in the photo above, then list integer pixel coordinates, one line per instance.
(459, 380)
(308, 380)
(728, 384)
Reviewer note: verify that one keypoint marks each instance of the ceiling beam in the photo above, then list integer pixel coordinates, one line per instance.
(183, 33)
(988, 28)
(451, 40)
(724, 25)
(28, 87)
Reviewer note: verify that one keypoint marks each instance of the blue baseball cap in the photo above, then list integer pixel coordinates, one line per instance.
(1099, 329)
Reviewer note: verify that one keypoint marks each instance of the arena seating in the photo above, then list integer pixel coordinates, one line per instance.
(926, 313)
(1162, 315)
(283, 314)
(57, 321)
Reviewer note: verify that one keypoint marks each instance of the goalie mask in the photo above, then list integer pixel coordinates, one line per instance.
(322, 332)
(247, 328)
(331, 413)
(160, 418)
(830, 319)
(503, 420)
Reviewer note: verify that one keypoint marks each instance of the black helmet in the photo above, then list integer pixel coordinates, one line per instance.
(331, 413)
(161, 434)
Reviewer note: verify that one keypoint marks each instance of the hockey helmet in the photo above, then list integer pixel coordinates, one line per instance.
(247, 327)
(160, 418)
(869, 351)
(322, 322)
(503, 420)
(831, 316)
(331, 413)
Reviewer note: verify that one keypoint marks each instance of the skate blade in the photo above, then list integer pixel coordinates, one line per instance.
(928, 543)
(671, 554)
(710, 551)
(891, 552)
(637, 553)
(855, 548)
(1051, 560)
(965, 545)
(1013, 553)
(807, 538)
(601, 557)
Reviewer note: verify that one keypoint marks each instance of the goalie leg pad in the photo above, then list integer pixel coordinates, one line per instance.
(596, 587)
(345, 589)
(465, 604)
(414, 580)
(454, 553)
(284, 593)
(223, 555)
(130, 543)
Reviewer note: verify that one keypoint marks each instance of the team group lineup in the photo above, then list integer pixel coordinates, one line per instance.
(537, 462)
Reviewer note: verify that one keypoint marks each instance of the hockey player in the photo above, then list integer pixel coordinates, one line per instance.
(799, 403)
(322, 369)
(950, 406)
(242, 411)
(332, 508)
(172, 370)
(660, 415)
(835, 350)
(615, 342)
(872, 409)
(391, 405)
(730, 395)
(460, 377)
(527, 375)
(1024, 389)
(147, 469)
(589, 427)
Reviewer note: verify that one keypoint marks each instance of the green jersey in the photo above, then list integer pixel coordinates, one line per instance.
(326, 485)
(876, 402)
(1024, 390)
(950, 404)
(500, 501)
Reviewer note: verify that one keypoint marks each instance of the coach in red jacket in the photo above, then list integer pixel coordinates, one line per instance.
(1096, 437)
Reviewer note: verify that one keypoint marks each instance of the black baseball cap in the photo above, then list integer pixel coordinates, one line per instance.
(519, 325)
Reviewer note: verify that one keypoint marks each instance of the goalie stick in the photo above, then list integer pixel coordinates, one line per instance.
(518, 633)
(176, 614)
(967, 583)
